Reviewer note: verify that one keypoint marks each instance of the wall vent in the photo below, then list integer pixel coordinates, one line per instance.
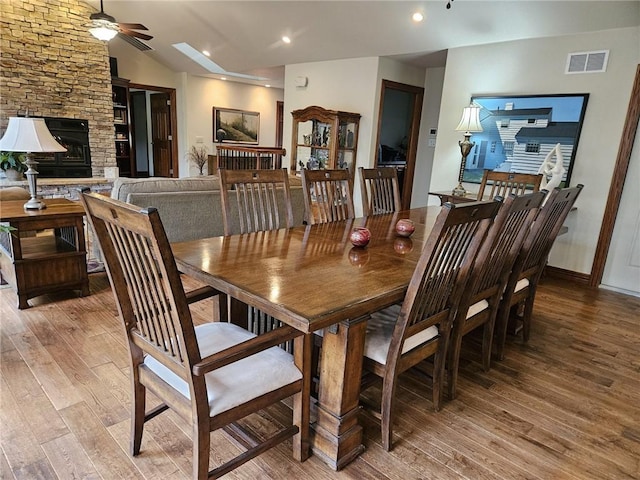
(587, 62)
(135, 42)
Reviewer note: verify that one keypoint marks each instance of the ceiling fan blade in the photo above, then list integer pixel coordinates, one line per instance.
(132, 26)
(131, 33)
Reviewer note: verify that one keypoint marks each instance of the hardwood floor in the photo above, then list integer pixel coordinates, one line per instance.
(564, 406)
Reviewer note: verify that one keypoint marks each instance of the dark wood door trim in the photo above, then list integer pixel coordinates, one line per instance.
(617, 183)
(174, 122)
(412, 138)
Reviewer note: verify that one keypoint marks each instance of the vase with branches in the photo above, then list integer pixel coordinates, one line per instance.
(198, 156)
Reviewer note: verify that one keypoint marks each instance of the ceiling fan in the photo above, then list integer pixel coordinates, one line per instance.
(105, 27)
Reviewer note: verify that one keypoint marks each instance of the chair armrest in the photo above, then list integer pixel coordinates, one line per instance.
(201, 293)
(246, 349)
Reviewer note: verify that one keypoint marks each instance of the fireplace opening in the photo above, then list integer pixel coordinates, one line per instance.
(73, 134)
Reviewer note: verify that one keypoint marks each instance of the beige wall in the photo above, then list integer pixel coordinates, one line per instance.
(537, 67)
(52, 66)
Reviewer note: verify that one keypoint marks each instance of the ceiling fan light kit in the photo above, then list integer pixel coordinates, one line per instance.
(104, 27)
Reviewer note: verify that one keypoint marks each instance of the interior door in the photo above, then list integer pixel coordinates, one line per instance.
(400, 104)
(161, 134)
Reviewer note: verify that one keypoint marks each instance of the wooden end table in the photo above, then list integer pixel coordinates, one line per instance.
(46, 252)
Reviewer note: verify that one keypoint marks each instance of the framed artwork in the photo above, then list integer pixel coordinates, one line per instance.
(519, 131)
(235, 126)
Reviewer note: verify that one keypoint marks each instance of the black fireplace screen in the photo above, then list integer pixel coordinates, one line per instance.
(73, 134)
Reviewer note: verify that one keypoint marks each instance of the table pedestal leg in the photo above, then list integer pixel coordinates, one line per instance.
(337, 436)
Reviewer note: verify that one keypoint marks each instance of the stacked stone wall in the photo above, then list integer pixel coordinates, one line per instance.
(51, 65)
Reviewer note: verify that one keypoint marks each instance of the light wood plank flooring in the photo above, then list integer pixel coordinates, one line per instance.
(564, 406)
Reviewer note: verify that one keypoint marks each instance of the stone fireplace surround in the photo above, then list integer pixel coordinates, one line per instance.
(52, 66)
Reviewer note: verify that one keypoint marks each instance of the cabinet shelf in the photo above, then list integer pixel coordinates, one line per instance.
(122, 135)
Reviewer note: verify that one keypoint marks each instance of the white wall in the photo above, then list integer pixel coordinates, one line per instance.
(537, 67)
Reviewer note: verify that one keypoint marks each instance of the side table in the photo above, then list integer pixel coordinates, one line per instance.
(450, 197)
(46, 252)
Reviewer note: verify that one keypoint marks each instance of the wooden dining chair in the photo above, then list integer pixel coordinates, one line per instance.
(479, 304)
(380, 190)
(402, 336)
(522, 284)
(261, 200)
(212, 375)
(504, 184)
(328, 195)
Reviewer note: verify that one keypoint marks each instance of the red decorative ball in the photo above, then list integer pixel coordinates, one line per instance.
(360, 236)
(405, 227)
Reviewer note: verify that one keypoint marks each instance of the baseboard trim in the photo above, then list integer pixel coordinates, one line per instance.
(562, 274)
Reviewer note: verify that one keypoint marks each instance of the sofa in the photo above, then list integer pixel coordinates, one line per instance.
(190, 208)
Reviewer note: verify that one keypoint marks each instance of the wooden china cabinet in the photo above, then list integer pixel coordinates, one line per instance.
(324, 139)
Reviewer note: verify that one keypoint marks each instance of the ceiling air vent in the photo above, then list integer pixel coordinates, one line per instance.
(587, 62)
(135, 42)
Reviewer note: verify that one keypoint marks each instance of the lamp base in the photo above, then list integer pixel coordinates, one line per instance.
(459, 191)
(34, 204)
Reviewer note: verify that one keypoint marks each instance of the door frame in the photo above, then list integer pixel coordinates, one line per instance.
(617, 183)
(173, 169)
(412, 138)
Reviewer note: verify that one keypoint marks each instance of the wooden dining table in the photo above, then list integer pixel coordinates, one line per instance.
(312, 278)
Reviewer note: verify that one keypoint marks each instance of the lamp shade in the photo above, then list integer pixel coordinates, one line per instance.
(104, 32)
(28, 134)
(470, 121)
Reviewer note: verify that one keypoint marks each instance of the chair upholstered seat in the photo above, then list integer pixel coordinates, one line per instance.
(239, 382)
(477, 307)
(522, 284)
(380, 330)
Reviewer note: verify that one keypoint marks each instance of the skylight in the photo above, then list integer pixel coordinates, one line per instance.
(209, 64)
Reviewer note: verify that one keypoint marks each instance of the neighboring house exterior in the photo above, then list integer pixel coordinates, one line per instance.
(518, 140)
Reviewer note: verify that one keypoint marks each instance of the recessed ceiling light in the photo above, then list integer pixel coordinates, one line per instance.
(417, 17)
(286, 39)
(206, 53)
(268, 86)
(223, 78)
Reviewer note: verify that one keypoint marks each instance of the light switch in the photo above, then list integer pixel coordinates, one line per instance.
(199, 140)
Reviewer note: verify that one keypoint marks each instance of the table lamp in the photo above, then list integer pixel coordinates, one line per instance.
(27, 134)
(469, 123)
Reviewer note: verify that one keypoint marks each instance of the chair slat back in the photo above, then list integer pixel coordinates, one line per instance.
(545, 228)
(504, 184)
(146, 283)
(380, 190)
(328, 195)
(262, 199)
(442, 271)
(504, 241)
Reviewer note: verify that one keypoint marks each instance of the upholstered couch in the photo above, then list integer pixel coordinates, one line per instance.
(190, 208)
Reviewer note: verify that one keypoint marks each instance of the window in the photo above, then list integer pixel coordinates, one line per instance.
(508, 148)
(531, 120)
(532, 147)
(504, 123)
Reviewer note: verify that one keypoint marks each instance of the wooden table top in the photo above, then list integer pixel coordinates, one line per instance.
(13, 210)
(311, 276)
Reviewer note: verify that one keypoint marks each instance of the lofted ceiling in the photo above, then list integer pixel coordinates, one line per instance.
(245, 36)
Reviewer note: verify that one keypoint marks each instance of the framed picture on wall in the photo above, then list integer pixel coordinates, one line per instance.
(519, 131)
(235, 126)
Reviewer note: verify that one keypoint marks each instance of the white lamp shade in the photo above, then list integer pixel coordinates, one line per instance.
(103, 32)
(470, 121)
(27, 134)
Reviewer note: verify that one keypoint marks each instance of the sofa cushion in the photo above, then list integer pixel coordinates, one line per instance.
(123, 187)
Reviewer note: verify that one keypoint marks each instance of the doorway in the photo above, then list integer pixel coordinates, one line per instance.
(154, 130)
(398, 131)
